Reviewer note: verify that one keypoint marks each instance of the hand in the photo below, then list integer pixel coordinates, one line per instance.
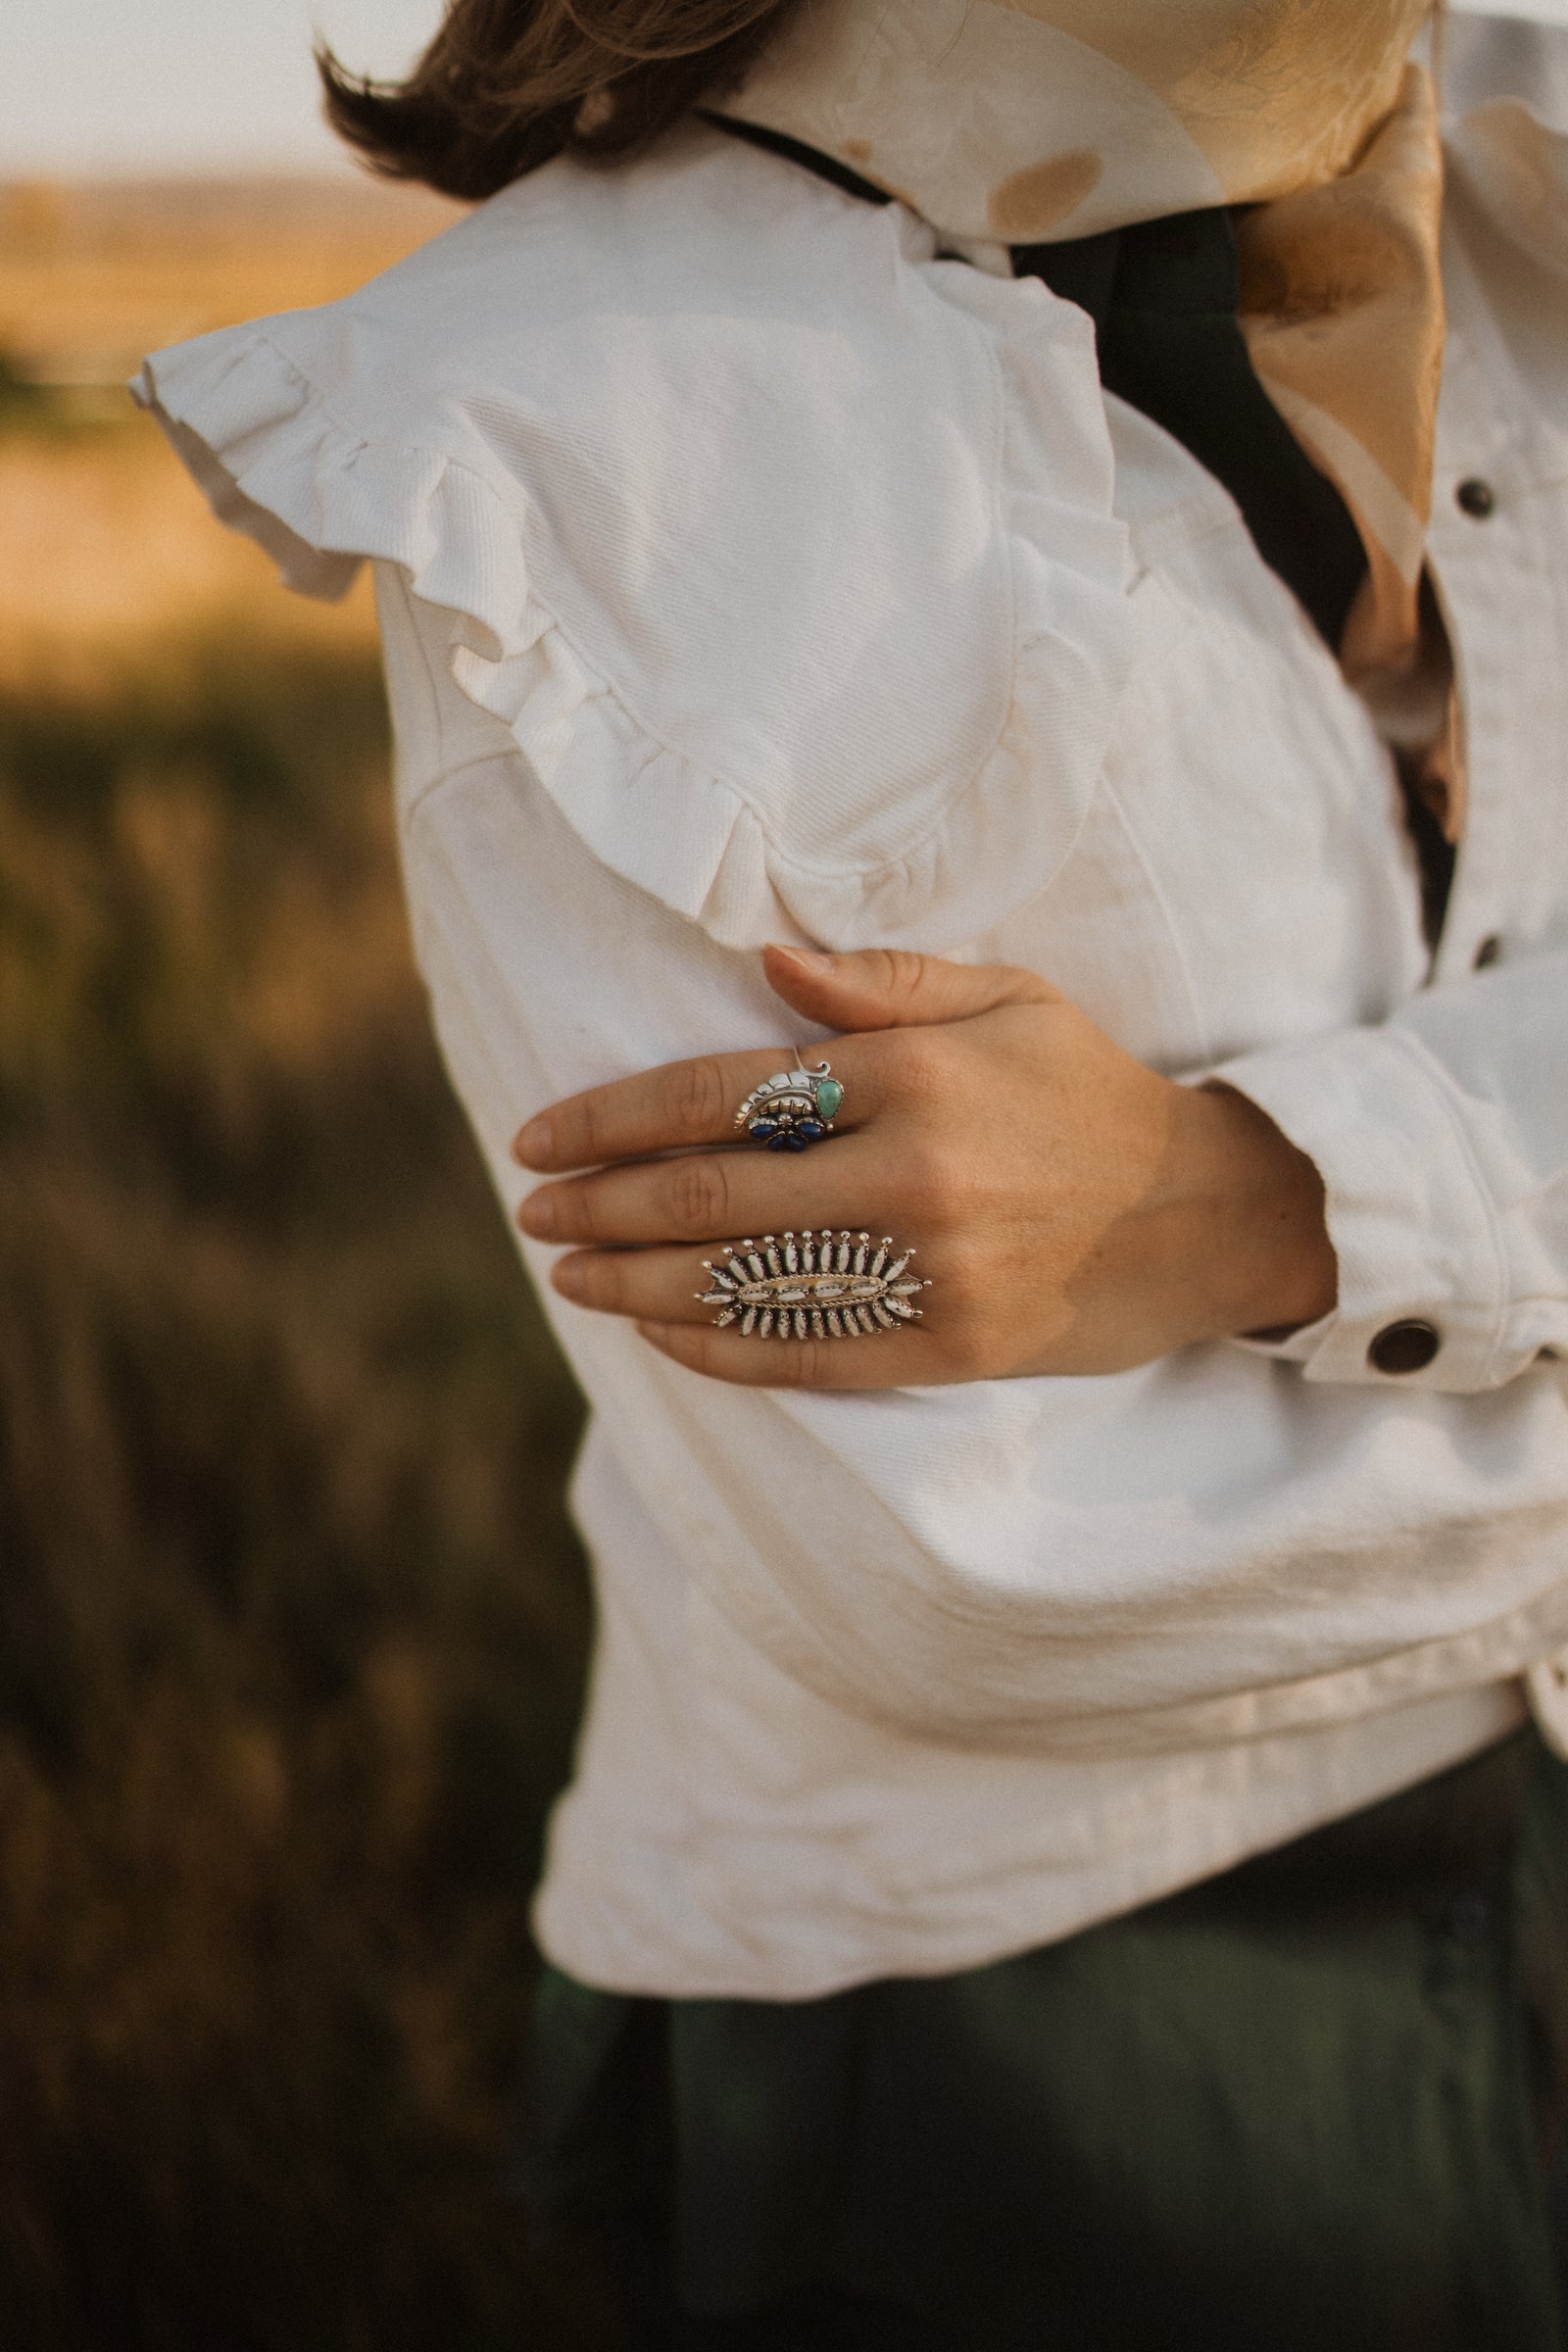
(1073, 1212)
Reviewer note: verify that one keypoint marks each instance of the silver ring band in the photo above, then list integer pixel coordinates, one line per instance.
(814, 1286)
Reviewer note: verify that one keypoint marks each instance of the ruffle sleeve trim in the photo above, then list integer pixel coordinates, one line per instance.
(261, 441)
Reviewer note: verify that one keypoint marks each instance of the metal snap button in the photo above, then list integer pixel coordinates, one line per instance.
(1476, 498)
(1407, 1346)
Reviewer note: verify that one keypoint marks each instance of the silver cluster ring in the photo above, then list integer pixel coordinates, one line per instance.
(814, 1286)
(793, 1108)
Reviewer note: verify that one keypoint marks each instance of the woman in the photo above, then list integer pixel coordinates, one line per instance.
(937, 625)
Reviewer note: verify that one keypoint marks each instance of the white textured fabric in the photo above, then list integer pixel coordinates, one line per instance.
(746, 571)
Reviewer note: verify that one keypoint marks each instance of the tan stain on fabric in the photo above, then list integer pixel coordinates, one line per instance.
(1276, 94)
(1030, 203)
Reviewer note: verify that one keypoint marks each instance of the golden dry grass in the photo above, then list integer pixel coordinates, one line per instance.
(93, 277)
(291, 1623)
(109, 559)
(105, 547)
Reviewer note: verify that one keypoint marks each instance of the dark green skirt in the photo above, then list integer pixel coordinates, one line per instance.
(1316, 2102)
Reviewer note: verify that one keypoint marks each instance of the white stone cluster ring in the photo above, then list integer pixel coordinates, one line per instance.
(814, 1286)
(793, 1108)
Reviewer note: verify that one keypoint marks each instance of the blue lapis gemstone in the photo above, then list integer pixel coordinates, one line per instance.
(763, 1128)
(782, 1143)
(793, 1142)
(810, 1129)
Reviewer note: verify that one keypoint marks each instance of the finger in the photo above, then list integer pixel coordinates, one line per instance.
(660, 1286)
(676, 1107)
(716, 1196)
(893, 988)
(676, 1286)
(894, 1359)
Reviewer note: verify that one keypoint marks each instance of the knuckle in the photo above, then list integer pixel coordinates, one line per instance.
(700, 1351)
(697, 1194)
(1025, 987)
(688, 1344)
(965, 1283)
(604, 1281)
(577, 1217)
(959, 1312)
(968, 1355)
(693, 1097)
(900, 972)
(918, 1065)
(965, 1349)
(938, 1184)
(589, 1144)
(800, 1362)
(897, 1055)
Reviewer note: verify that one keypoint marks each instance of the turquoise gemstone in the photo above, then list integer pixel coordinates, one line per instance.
(830, 1095)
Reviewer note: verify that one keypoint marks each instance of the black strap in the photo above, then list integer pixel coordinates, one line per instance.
(795, 151)
(1163, 298)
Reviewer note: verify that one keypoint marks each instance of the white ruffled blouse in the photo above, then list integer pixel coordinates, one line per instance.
(749, 571)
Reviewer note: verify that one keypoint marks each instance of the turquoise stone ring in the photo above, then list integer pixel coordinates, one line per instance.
(792, 1110)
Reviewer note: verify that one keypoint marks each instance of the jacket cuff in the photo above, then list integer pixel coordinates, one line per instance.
(1423, 1292)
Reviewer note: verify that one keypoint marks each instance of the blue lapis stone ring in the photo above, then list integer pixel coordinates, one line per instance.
(793, 1108)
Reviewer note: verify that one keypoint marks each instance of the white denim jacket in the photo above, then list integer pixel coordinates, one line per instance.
(748, 571)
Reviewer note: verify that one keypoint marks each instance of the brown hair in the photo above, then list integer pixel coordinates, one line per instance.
(506, 84)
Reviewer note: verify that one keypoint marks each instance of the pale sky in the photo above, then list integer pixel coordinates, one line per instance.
(111, 87)
(90, 86)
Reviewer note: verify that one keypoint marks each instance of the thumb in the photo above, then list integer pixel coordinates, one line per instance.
(894, 988)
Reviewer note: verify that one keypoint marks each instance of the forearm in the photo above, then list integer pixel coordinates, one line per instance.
(1250, 1234)
(1074, 1210)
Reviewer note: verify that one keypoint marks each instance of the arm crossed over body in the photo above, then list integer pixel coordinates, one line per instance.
(1074, 1212)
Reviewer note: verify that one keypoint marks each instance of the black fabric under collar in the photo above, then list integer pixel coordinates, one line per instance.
(795, 151)
(1163, 297)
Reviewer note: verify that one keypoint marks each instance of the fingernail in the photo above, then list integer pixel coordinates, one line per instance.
(658, 1334)
(532, 1145)
(811, 959)
(566, 1277)
(537, 1215)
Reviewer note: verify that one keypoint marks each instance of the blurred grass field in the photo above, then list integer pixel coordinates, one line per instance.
(292, 1624)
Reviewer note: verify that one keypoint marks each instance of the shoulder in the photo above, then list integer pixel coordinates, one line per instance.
(809, 525)
(583, 286)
